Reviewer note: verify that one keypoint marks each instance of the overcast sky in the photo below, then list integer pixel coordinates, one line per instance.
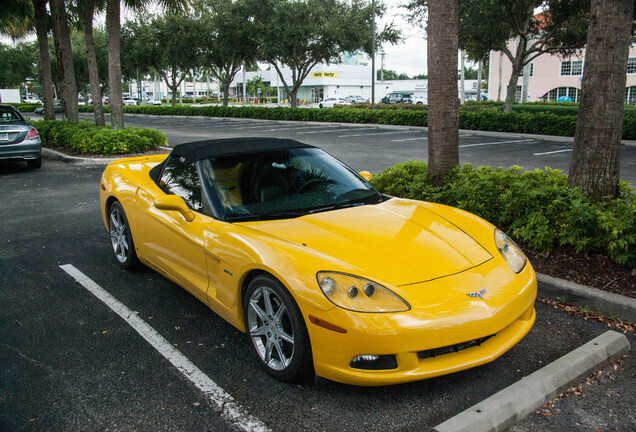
(410, 56)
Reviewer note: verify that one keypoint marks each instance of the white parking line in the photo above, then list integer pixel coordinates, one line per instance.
(231, 411)
(378, 133)
(496, 142)
(334, 130)
(304, 127)
(410, 139)
(552, 152)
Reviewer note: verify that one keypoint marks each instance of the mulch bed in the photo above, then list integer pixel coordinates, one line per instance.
(596, 270)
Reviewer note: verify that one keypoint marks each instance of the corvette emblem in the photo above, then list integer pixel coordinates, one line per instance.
(479, 293)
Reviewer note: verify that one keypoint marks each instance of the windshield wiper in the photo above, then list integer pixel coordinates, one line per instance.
(266, 216)
(336, 206)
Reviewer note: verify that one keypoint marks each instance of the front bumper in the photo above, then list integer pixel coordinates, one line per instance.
(412, 336)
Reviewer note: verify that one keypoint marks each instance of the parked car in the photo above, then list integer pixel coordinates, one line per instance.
(356, 99)
(32, 99)
(324, 273)
(130, 101)
(40, 109)
(18, 139)
(331, 102)
(397, 97)
(151, 101)
(418, 100)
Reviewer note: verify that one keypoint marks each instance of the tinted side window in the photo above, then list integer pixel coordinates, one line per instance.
(180, 177)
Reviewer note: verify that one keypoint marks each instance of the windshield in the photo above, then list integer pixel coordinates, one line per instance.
(283, 184)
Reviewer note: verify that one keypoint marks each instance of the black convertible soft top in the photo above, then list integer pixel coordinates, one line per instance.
(200, 150)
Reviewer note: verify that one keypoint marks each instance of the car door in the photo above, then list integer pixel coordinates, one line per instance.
(172, 244)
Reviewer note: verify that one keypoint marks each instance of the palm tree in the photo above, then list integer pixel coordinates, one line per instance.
(113, 28)
(85, 10)
(64, 54)
(595, 166)
(443, 120)
(46, 78)
(17, 19)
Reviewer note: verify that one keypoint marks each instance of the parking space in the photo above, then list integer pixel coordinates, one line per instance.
(71, 363)
(375, 148)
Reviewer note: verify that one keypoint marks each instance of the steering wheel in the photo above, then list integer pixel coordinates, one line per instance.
(309, 185)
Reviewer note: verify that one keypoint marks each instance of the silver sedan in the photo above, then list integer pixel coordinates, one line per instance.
(18, 139)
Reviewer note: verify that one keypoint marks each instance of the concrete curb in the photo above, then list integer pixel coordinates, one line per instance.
(523, 397)
(95, 162)
(581, 295)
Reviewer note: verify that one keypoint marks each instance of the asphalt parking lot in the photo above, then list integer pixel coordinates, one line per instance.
(374, 148)
(70, 363)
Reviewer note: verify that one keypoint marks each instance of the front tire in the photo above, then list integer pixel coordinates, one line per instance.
(121, 238)
(276, 330)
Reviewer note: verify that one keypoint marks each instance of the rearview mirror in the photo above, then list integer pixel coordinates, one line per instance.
(174, 203)
(366, 175)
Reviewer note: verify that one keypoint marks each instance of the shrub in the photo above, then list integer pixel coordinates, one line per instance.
(86, 137)
(536, 208)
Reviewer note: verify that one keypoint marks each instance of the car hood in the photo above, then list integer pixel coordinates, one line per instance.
(397, 242)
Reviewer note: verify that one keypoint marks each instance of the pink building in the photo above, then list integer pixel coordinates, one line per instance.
(551, 77)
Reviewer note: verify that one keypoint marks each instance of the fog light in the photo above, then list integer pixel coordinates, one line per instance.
(374, 362)
(367, 357)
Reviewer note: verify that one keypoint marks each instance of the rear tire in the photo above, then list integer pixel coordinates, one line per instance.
(121, 239)
(34, 163)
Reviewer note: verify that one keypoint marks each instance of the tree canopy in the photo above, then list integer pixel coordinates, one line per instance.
(300, 35)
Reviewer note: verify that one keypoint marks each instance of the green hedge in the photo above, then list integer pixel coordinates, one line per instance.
(536, 208)
(539, 118)
(25, 107)
(86, 137)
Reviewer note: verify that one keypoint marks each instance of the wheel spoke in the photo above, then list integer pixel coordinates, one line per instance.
(281, 355)
(278, 316)
(268, 301)
(259, 331)
(286, 337)
(268, 351)
(256, 308)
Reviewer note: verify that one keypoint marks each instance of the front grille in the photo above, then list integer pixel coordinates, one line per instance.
(436, 352)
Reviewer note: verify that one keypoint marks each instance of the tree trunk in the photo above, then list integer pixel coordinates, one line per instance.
(91, 60)
(595, 166)
(293, 103)
(113, 27)
(46, 79)
(64, 54)
(174, 87)
(517, 67)
(443, 122)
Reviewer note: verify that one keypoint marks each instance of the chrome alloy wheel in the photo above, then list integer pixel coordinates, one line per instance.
(119, 234)
(270, 328)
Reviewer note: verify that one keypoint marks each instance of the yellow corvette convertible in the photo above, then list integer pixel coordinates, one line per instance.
(322, 272)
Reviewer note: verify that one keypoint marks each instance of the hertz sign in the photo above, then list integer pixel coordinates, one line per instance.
(324, 74)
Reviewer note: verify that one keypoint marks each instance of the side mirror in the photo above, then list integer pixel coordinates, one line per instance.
(366, 175)
(174, 203)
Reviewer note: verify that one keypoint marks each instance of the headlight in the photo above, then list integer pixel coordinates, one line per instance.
(360, 295)
(509, 250)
